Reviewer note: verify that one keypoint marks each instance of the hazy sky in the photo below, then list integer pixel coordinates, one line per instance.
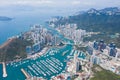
(34, 5)
(83, 3)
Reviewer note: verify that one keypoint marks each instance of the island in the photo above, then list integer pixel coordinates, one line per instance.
(4, 18)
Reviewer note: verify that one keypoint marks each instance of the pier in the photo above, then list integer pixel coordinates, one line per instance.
(65, 52)
(46, 67)
(4, 70)
(26, 74)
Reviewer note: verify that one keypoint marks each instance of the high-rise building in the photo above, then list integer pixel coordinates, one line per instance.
(90, 50)
(77, 63)
(112, 45)
(75, 57)
(99, 45)
(78, 66)
(95, 59)
(95, 45)
(113, 52)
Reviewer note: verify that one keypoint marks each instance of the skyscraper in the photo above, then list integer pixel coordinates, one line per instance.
(75, 57)
(78, 66)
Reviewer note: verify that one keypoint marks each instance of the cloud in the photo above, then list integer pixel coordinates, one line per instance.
(83, 2)
(61, 3)
(76, 2)
(25, 2)
(56, 4)
(35, 3)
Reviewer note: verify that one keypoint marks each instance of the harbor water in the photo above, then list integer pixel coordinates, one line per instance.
(50, 64)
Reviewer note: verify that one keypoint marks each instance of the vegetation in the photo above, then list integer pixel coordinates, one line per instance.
(98, 23)
(14, 50)
(105, 37)
(103, 74)
(106, 24)
(74, 77)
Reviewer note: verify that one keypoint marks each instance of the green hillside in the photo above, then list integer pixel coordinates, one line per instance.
(105, 21)
(15, 49)
(104, 74)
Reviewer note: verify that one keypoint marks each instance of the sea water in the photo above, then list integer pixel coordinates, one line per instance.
(14, 72)
(21, 24)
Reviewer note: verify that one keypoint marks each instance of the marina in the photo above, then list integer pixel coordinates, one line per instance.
(47, 65)
(79, 53)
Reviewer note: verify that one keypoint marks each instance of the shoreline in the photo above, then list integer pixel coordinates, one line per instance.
(45, 50)
(6, 43)
(36, 55)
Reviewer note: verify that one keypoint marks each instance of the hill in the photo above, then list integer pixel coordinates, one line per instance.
(13, 49)
(4, 18)
(106, 21)
(103, 74)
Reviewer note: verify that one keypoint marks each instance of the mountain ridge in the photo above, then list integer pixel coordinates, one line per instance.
(107, 19)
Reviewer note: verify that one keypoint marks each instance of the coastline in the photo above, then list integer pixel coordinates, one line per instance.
(6, 43)
(38, 54)
(42, 52)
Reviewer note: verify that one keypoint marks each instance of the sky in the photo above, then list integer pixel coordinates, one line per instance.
(26, 6)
